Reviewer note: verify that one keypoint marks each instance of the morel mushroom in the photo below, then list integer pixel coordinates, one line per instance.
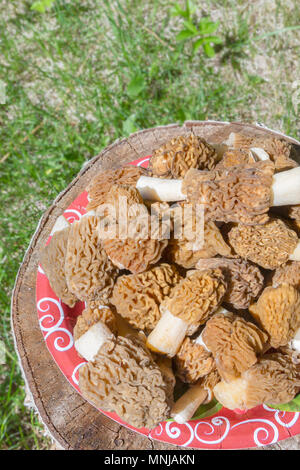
(90, 274)
(294, 212)
(238, 194)
(53, 261)
(279, 151)
(178, 155)
(193, 361)
(235, 157)
(273, 380)
(123, 378)
(234, 343)
(198, 394)
(190, 303)
(137, 297)
(278, 312)
(269, 245)
(244, 280)
(92, 314)
(288, 273)
(193, 240)
(102, 183)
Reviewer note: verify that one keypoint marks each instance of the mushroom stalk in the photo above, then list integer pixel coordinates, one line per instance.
(90, 342)
(168, 335)
(159, 189)
(286, 187)
(185, 408)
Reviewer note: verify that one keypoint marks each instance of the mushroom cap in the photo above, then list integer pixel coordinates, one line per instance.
(178, 155)
(278, 312)
(289, 273)
(268, 245)
(123, 378)
(274, 379)
(196, 297)
(90, 274)
(122, 196)
(137, 297)
(93, 313)
(196, 239)
(209, 381)
(280, 151)
(294, 212)
(234, 343)
(192, 361)
(244, 280)
(238, 194)
(235, 157)
(100, 186)
(53, 263)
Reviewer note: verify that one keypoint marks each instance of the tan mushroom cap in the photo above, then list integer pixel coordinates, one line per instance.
(279, 150)
(244, 280)
(268, 245)
(123, 378)
(294, 212)
(53, 263)
(196, 239)
(93, 313)
(100, 186)
(137, 297)
(273, 380)
(234, 343)
(238, 194)
(178, 155)
(196, 297)
(288, 273)
(235, 157)
(90, 274)
(278, 312)
(192, 361)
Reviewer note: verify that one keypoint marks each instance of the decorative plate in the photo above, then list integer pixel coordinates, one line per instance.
(224, 429)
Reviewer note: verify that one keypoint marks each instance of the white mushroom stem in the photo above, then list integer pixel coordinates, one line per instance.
(159, 189)
(91, 341)
(259, 154)
(295, 256)
(168, 335)
(286, 187)
(60, 224)
(295, 343)
(185, 408)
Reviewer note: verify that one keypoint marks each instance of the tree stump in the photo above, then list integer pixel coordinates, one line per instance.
(70, 420)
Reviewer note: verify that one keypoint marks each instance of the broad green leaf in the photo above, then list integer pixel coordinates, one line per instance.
(214, 39)
(208, 410)
(136, 86)
(198, 44)
(293, 405)
(184, 34)
(42, 5)
(129, 125)
(209, 50)
(207, 26)
(191, 27)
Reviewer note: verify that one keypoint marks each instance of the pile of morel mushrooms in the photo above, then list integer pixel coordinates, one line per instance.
(221, 316)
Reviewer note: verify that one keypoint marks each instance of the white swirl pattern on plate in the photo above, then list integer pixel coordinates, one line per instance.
(55, 316)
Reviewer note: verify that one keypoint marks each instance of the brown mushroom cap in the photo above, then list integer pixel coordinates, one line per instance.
(244, 280)
(234, 157)
(279, 150)
(278, 312)
(178, 155)
(196, 297)
(123, 378)
(137, 297)
(93, 313)
(274, 379)
(268, 245)
(238, 194)
(186, 249)
(192, 361)
(289, 273)
(294, 212)
(234, 343)
(53, 263)
(90, 274)
(100, 186)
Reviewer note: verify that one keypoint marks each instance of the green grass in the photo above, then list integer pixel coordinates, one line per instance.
(87, 72)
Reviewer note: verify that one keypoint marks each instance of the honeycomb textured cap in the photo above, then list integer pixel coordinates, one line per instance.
(93, 313)
(268, 245)
(192, 361)
(278, 312)
(123, 378)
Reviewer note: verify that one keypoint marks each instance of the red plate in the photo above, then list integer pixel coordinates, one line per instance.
(224, 430)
